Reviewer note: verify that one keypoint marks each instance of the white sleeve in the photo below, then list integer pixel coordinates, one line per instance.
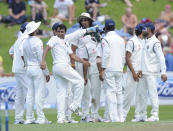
(123, 52)
(39, 52)
(69, 50)
(73, 37)
(160, 56)
(99, 50)
(55, 4)
(106, 53)
(52, 41)
(85, 53)
(11, 50)
(21, 47)
(70, 2)
(130, 46)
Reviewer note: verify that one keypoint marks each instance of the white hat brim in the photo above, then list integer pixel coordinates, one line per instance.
(34, 28)
(80, 17)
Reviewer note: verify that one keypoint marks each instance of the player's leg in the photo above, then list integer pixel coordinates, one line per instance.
(144, 97)
(129, 93)
(119, 96)
(61, 86)
(39, 86)
(86, 95)
(152, 90)
(68, 73)
(30, 98)
(109, 85)
(95, 96)
(19, 99)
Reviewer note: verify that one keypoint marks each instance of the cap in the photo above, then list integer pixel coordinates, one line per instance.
(54, 27)
(23, 27)
(140, 27)
(150, 25)
(109, 22)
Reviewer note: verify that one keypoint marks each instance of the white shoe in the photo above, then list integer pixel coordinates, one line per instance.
(44, 121)
(98, 119)
(19, 122)
(107, 121)
(72, 121)
(152, 119)
(135, 120)
(76, 111)
(62, 121)
(89, 119)
(29, 122)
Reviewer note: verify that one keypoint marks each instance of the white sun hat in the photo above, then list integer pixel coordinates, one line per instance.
(31, 27)
(84, 15)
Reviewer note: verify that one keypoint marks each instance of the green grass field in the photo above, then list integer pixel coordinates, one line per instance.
(166, 121)
(115, 9)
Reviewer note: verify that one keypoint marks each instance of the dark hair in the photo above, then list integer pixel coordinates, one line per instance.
(62, 26)
(90, 22)
(138, 32)
(110, 28)
(152, 31)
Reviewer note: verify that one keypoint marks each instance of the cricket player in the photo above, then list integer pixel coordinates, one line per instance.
(113, 59)
(64, 73)
(153, 63)
(133, 60)
(32, 52)
(20, 75)
(90, 54)
(78, 48)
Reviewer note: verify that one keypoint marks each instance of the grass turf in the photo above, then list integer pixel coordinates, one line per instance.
(115, 9)
(166, 122)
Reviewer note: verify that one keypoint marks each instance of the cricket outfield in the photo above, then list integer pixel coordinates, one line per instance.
(165, 123)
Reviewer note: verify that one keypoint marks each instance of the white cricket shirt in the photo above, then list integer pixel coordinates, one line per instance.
(60, 50)
(153, 60)
(15, 50)
(134, 46)
(113, 57)
(90, 52)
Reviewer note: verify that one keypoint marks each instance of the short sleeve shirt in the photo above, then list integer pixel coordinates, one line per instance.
(60, 50)
(17, 7)
(62, 7)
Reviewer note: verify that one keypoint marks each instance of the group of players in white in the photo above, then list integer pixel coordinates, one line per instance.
(81, 64)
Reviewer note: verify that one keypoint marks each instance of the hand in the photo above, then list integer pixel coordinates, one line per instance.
(86, 63)
(135, 76)
(101, 75)
(92, 29)
(43, 65)
(16, 16)
(85, 81)
(139, 74)
(164, 77)
(47, 78)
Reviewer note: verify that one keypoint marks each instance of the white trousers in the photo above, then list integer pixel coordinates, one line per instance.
(86, 93)
(114, 98)
(149, 87)
(63, 74)
(21, 89)
(131, 90)
(36, 92)
(69, 100)
(95, 94)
